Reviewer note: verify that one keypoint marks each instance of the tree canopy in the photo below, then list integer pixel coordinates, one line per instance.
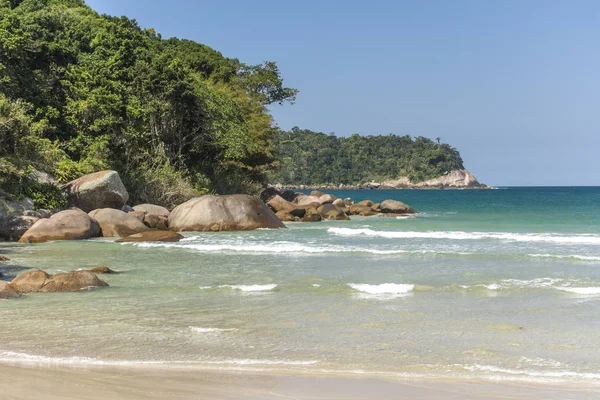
(81, 92)
(315, 158)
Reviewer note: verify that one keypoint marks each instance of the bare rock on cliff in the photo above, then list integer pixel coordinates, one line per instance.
(457, 179)
(102, 189)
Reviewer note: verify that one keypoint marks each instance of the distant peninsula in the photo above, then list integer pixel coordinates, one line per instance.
(315, 160)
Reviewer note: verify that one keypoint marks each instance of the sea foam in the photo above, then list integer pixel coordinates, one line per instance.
(382, 291)
(460, 235)
(251, 288)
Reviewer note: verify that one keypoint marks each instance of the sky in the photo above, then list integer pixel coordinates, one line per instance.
(513, 85)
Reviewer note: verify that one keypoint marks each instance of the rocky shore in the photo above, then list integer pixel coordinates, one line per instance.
(98, 208)
(458, 179)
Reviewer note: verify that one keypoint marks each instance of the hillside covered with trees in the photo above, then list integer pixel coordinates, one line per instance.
(315, 158)
(82, 92)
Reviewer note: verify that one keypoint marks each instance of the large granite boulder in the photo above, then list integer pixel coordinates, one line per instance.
(153, 236)
(332, 213)
(116, 223)
(223, 213)
(278, 203)
(395, 207)
(40, 281)
(327, 199)
(151, 209)
(65, 225)
(366, 203)
(102, 189)
(308, 201)
(7, 291)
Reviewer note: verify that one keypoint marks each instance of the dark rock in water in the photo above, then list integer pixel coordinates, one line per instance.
(40, 281)
(66, 225)
(396, 207)
(153, 236)
(289, 195)
(2, 258)
(7, 291)
(268, 194)
(102, 189)
(116, 223)
(152, 209)
(223, 213)
(13, 228)
(102, 270)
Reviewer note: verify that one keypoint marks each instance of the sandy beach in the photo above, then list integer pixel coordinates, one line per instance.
(49, 383)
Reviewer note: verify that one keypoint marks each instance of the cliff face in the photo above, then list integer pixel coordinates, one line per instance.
(457, 179)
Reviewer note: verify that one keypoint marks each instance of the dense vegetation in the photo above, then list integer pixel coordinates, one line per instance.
(81, 92)
(314, 158)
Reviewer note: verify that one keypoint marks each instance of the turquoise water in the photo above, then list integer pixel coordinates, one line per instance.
(492, 284)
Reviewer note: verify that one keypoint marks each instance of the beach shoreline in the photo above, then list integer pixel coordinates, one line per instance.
(50, 382)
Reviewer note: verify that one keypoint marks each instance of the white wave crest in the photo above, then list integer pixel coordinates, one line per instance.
(460, 235)
(383, 291)
(251, 288)
(580, 290)
(210, 330)
(533, 373)
(573, 256)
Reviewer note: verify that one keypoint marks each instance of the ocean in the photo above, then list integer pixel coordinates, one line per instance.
(480, 284)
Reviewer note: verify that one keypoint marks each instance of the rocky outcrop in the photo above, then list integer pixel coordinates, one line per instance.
(40, 281)
(308, 201)
(151, 209)
(395, 207)
(66, 225)
(278, 203)
(457, 179)
(116, 223)
(102, 189)
(7, 291)
(153, 236)
(332, 213)
(223, 213)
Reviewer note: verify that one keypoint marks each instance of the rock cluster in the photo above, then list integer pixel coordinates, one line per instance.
(40, 281)
(317, 206)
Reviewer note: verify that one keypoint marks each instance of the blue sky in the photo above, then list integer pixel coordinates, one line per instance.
(514, 85)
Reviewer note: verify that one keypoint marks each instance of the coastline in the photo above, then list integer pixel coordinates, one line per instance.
(53, 382)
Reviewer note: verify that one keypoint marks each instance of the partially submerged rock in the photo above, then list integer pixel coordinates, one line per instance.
(102, 270)
(2, 258)
(7, 291)
(116, 223)
(66, 225)
(223, 213)
(396, 207)
(332, 213)
(102, 189)
(40, 281)
(153, 236)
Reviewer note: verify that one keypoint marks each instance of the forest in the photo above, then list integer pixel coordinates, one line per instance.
(315, 158)
(82, 92)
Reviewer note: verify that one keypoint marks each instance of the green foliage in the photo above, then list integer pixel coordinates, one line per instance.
(81, 92)
(45, 195)
(314, 158)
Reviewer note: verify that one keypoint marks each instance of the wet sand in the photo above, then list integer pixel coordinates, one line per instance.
(66, 383)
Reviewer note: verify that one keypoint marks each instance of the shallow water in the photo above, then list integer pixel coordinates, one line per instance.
(493, 284)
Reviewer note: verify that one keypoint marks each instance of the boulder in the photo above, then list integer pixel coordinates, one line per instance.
(289, 195)
(285, 216)
(223, 213)
(13, 228)
(7, 291)
(163, 223)
(140, 215)
(127, 208)
(71, 224)
(339, 203)
(278, 203)
(316, 193)
(151, 209)
(396, 207)
(151, 220)
(327, 199)
(366, 203)
(2, 258)
(40, 281)
(312, 217)
(376, 207)
(367, 212)
(356, 209)
(331, 212)
(102, 189)
(116, 223)
(308, 201)
(153, 236)
(348, 201)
